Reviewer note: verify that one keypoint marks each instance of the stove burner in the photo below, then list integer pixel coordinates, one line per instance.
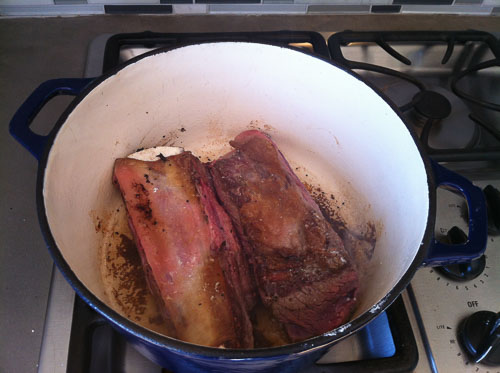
(432, 105)
(428, 111)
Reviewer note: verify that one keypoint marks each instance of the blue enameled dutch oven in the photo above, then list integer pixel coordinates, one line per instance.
(351, 140)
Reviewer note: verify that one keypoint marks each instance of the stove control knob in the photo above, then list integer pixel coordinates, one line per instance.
(463, 271)
(479, 336)
(492, 196)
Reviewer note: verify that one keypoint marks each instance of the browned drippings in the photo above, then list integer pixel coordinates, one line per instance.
(260, 125)
(125, 281)
(361, 244)
(131, 276)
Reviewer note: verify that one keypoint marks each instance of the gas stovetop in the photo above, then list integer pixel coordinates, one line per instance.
(445, 84)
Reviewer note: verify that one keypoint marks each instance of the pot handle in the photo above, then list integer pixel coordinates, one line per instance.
(20, 123)
(440, 253)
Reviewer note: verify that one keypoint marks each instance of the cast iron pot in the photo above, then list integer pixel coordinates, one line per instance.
(325, 119)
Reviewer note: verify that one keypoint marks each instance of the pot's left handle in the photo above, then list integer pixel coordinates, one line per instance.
(19, 126)
(440, 253)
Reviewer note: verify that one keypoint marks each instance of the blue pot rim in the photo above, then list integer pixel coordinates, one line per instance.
(165, 342)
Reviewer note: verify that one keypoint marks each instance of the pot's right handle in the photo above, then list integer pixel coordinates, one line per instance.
(442, 254)
(20, 124)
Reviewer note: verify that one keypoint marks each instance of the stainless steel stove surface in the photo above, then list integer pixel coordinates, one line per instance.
(420, 332)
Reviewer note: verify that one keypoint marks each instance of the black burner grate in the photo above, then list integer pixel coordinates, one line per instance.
(95, 347)
(491, 152)
(311, 41)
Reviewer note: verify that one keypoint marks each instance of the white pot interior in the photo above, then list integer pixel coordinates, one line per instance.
(326, 122)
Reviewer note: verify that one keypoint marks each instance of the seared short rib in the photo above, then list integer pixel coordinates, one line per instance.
(193, 260)
(303, 273)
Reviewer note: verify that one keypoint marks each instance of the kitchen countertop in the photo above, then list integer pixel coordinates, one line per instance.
(33, 50)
